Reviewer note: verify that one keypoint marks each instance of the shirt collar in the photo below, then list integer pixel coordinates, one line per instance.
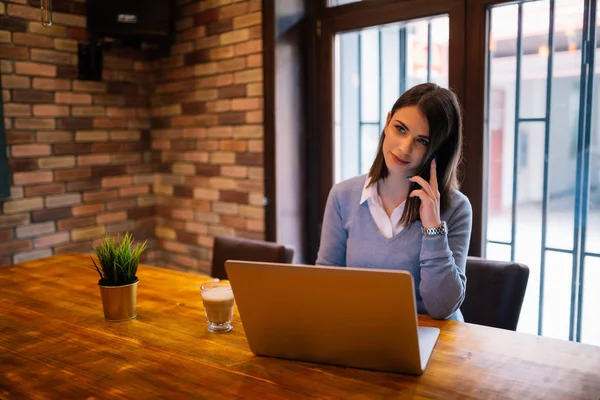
(368, 192)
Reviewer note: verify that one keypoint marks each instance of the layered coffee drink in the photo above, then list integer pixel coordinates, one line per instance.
(218, 301)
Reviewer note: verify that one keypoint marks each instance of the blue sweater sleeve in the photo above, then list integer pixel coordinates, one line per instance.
(443, 262)
(332, 249)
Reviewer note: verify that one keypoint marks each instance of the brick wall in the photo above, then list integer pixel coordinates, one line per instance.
(207, 133)
(79, 151)
(171, 149)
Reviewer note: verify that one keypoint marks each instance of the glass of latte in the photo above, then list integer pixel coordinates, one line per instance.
(218, 301)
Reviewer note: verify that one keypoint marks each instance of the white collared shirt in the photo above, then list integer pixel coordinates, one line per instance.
(388, 226)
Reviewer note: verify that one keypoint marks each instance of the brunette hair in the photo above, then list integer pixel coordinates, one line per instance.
(444, 116)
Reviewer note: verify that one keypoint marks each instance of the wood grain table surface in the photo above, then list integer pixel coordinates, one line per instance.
(55, 344)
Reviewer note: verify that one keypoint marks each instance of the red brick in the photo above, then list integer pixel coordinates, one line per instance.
(54, 30)
(248, 19)
(33, 40)
(218, 27)
(233, 196)
(108, 147)
(8, 51)
(207, 170)
(111, 217)
(14, 246)
(13, 25)
(54, 214)
(255, 32)
(87, 209)
(249, 47)
(74, 123)
(36, 69)
(134, 191)
(206, 17)
(71, 223)
(89, 86)
(28, 178)
(22, 164)
(71, 148)
(63, 200)
(232, 118)
(254, 60)
(69, 20)
(50, 110)
(34, 123)
(19, 137)
(81, 186)
(254, 117)
(140, 212)
(119, 181)
(74, 174)
(108, 99)
(66, 71)
(73, 98)
(17, 110)
(15, 81)
(232, 91)
(101, 171)
(6, 234)
(32, 96)
(93, 159)
(69, 45)
(100, 195)
(30, 150)
(53, 57)
(246, 104)
(81, 247)
(78, 34)
(51, 84)
(44, 190)
(10, 221)
(51, 240)
(233, 10)
(108, 123)
(33, 230)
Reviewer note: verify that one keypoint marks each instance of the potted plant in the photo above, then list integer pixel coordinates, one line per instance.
(118, 259)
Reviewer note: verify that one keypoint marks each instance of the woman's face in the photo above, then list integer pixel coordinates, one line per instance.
(406, 141)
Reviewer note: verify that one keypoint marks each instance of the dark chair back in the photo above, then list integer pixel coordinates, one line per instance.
(234, 248)
(495, 292)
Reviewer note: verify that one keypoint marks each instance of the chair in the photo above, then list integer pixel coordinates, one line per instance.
(234, 248)
(495, 292)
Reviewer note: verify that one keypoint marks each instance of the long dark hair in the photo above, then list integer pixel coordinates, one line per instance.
(442, 110)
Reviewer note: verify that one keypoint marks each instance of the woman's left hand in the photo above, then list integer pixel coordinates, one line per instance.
(430, 199)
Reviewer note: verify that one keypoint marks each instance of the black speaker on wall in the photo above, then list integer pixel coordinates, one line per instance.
(148, 21)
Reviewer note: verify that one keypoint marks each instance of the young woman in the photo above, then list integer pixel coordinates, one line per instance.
(407, 212)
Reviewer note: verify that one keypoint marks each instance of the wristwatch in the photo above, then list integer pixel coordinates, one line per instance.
(440, 230)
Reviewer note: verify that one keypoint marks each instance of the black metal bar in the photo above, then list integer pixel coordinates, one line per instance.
(402, 56)
(542, 119)
(499, 242)
(585, 182)
(546, 166)
(557, 250)
(429, 51)
(360, 93)
(516, 144)
(583, 99)
(588, 254)
(488, 74)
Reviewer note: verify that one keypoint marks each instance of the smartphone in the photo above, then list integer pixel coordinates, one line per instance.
(424, 172)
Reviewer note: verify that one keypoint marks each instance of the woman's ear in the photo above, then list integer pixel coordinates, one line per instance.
(388, 118)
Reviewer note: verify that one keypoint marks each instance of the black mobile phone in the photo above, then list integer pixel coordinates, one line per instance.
(424, 172)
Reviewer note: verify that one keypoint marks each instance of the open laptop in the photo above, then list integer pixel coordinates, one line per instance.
(361, 318)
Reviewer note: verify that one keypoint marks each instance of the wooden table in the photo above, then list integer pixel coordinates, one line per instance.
(55, 344)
